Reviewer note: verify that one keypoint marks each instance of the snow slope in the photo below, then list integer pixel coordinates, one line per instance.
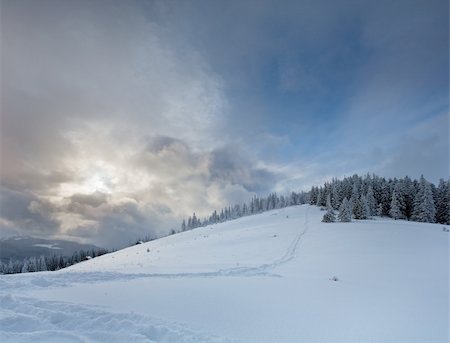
(264, 278)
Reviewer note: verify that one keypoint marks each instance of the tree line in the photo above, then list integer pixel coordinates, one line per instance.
(48, 263)
(358, 197)
(363, 197)
(254, 206)
(56, 262)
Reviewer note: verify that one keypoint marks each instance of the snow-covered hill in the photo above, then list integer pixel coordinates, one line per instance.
(263, 278)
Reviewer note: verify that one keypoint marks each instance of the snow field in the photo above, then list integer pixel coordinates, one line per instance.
(263, 278)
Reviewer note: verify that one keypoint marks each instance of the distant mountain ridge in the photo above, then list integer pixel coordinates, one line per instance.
(20, 247)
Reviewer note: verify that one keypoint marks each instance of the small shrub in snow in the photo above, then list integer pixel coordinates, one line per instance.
(329, 217)
(445, 229)
(334, 278)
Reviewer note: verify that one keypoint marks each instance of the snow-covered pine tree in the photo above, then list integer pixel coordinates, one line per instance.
(245, 210)
(32, 264)
(365, 206)
(336, 197)
(345, 211)
(371, 202)
(329, 216)
(25, 267)
(424, 207)
(442, 202)
(385, 197)
(194, 221)
(380, 210)
(361, 211)
(313, 196)
(11, 268)
(417, 202)
(394, 212)
(42, 264)
(428, 213)
(320, 196)
(282, 202)
(400, 195)
(354, 199)
(294, 199)
(408, 192)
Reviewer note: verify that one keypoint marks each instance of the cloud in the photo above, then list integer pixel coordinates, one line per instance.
(229, 165)
(66, 63)
(93, 98)
(119, 118)
(144, 185)
(426, 144)
(20, 213)
(92, 200)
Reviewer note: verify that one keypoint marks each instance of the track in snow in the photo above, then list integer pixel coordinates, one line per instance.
(62, 279)
(47, 321)
(263, 269)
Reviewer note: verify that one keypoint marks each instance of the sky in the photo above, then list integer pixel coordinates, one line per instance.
(120, 118)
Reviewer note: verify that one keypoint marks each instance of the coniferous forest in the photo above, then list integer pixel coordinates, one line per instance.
(357, 197)
(48, 263)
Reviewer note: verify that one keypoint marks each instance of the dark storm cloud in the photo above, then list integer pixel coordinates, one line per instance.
(23, 213)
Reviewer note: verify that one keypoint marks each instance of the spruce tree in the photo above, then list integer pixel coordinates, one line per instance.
(329, 216)
(385, 197)
(42, 264)
(361, 211)
(442, 203)
(345, 211)
(313, 196)
(25, 266)
(424, 207)
(354, 199)
(380, 210)
(408, 193)
(371, 201)
(336, 199)
(394, 212)
(321, 197)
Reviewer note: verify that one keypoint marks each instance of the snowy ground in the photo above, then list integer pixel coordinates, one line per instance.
(264, 278)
